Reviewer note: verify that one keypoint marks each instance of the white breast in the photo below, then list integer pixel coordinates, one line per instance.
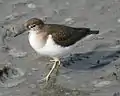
(50, 48)
(35, 42)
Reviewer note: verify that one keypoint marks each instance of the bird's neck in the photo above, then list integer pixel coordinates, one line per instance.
(37, 41)
(38, 36)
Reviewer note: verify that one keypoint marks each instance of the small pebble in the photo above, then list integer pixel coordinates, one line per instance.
(32, 86)
(101, 77)
(67, 94)
(40, 81)
(35, 69)
(98, 38)
(31, 5)
(101, 84)
(69, 21)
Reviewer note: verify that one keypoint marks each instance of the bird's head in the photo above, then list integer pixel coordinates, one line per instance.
(33, 24)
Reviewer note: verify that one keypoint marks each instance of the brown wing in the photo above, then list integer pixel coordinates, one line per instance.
(66, 36)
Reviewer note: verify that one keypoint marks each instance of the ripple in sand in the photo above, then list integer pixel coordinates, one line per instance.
(16, 53)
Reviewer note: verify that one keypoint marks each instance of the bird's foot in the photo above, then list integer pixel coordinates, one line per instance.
(56, 63)
(50, 72)
(52, 60)
(45, 79)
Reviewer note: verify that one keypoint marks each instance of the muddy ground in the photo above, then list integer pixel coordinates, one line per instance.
(92, 69)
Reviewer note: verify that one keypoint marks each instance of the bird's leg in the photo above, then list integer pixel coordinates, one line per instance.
(56, 62)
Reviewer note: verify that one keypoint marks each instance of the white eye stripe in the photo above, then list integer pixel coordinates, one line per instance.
(31, 26)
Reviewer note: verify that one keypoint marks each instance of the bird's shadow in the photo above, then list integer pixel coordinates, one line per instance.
(90, 60)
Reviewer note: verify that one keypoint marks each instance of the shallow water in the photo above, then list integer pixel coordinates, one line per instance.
(92, 69)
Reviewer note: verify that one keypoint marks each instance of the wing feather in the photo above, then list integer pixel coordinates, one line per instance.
(65, 35)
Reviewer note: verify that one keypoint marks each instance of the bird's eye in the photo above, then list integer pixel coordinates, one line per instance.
(32, 26)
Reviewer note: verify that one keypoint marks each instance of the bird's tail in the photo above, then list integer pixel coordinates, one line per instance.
(94, 32)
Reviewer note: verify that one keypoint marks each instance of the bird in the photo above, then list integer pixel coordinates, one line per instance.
(54, 40)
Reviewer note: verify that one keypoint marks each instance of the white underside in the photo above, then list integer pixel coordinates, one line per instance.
(49, 48)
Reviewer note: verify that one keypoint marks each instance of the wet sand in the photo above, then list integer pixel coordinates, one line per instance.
(92, 69)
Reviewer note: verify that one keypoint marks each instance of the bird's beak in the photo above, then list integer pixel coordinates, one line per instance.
(18, 33)
(23, 30)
